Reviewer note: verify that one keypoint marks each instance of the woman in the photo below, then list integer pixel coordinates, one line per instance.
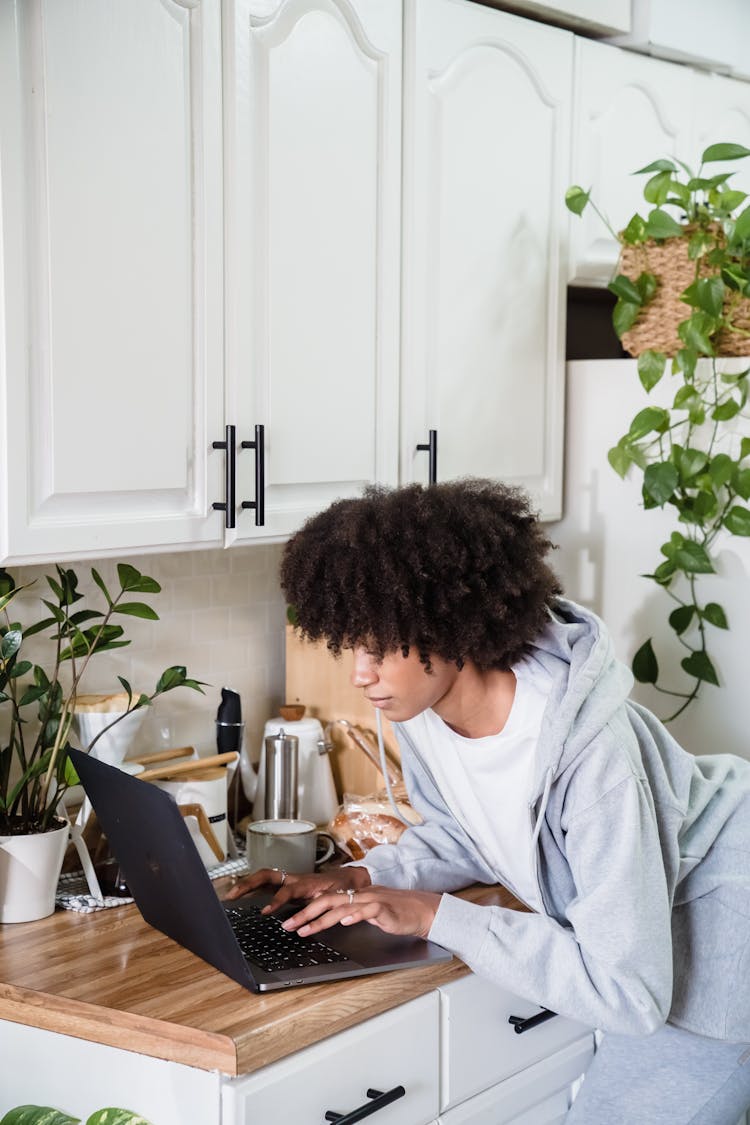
(531, 767)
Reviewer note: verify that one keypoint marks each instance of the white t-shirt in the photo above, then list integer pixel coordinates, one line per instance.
(486, 782)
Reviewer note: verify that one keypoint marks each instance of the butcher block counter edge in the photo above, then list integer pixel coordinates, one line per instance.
(110, 978)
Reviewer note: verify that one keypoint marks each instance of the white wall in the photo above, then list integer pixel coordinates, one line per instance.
(606, 541)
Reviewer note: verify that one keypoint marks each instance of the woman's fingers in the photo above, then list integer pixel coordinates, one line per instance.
(397, 912)
(261, 878)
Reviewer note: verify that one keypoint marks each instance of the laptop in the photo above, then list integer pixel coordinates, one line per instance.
(174, 893)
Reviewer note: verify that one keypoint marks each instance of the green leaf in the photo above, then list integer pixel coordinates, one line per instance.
(699, 666)
(726, 410)
(681, 617)
(664, 573)
(645, 665)
(744, 447)
(635, 231)
(624, 316)
(724, 151)
(660, 480)
(620, 460)
(714, 614)
(696, 332)
(134, 582)
(737, 520)
(651, 419)
(137, 609)
(690, 462)
(10, 644)
(742, 226)
(646, 284)
(728, 200)
(31, 695)
(656, 189)
(651, 367)
(38, 626)
(37, 1115)
(707, 293)
(687, 398)
(741, 482)
(721, 469)
(624, 288)
(734, 278)
(115, 1117)
(699, 243)
(19, 669)
(693, 558)
(660, 224)
(576, 199)
(657, 166)
(100, 583)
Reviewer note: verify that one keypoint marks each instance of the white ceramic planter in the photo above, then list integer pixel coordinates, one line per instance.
(29, 870)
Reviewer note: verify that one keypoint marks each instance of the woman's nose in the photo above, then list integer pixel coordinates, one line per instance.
(363, 669)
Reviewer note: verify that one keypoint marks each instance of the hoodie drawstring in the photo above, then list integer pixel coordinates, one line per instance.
(548, 778)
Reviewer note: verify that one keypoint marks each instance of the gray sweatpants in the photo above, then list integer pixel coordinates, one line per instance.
(669, 1078)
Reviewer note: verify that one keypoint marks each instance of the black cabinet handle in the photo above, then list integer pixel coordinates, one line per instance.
(378, 1100)
(521, 1023)
(227, 505)
(430, 447)
(259, 503)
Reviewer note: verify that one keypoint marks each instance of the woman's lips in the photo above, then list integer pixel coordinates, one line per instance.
(383, 702)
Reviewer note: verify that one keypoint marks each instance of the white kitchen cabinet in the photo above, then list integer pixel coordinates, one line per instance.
(77, 1077)
(481, 1047)
(396, 1049)
(722, 113)
(629, 111)
(313, 200)
(487, 100)
(111, 275)
(540, 1094)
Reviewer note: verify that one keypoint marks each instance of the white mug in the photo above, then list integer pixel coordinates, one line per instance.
(287, 845)
(206, 791)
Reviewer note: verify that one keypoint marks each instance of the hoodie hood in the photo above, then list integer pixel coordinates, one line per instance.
(589, 685)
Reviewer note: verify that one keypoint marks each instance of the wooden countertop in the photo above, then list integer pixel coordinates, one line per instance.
(108, 977)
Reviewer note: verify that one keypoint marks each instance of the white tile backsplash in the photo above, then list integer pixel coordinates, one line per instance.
(221, 614)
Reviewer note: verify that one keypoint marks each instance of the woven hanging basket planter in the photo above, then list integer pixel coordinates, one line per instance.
(656, 326)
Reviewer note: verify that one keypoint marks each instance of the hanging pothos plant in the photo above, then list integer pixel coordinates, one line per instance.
(694, 455)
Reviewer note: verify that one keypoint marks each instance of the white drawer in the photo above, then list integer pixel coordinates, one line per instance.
(539, 1095)
(480, 1047)
(397, 1048)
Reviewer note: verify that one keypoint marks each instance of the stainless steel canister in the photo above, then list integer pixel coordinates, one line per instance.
(282, 756)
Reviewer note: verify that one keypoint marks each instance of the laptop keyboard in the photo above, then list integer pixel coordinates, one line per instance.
(264, 942)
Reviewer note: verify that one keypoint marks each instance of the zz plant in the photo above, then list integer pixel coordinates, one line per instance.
(34, 768)
(694, 455)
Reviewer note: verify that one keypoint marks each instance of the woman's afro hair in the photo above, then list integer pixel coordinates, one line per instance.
(455, 570)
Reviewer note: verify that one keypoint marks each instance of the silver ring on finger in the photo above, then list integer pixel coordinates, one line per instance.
(350, 893)
(283, 878)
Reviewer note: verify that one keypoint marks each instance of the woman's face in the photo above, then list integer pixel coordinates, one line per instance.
(400, 686)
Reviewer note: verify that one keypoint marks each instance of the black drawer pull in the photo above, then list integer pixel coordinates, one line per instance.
(378, 1100)
(227, 505)
(430, 448)
(525, 1023)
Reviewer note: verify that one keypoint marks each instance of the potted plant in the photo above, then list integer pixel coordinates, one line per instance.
(683, 289)
(46, 1115)
(38, 700)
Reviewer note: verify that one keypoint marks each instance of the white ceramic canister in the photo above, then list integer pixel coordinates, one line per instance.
(208, 788)
(317, 793)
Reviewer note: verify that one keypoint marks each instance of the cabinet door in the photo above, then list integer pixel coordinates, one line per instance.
(110, 328)
(398, 1048)
(629, 111)
(312, 243)
(722, 113)
(540, 1095)
(487, 104)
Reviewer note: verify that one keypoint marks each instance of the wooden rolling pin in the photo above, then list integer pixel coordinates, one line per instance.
(163, 756)
(195, 765)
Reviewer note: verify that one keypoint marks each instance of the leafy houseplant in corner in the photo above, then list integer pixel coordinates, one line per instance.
(37, 700)
(683, 302)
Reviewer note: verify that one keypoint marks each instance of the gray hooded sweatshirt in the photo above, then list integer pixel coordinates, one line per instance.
(642, 857)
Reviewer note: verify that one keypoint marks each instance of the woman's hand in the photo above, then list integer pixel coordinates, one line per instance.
(396, 912)
(300, 886)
